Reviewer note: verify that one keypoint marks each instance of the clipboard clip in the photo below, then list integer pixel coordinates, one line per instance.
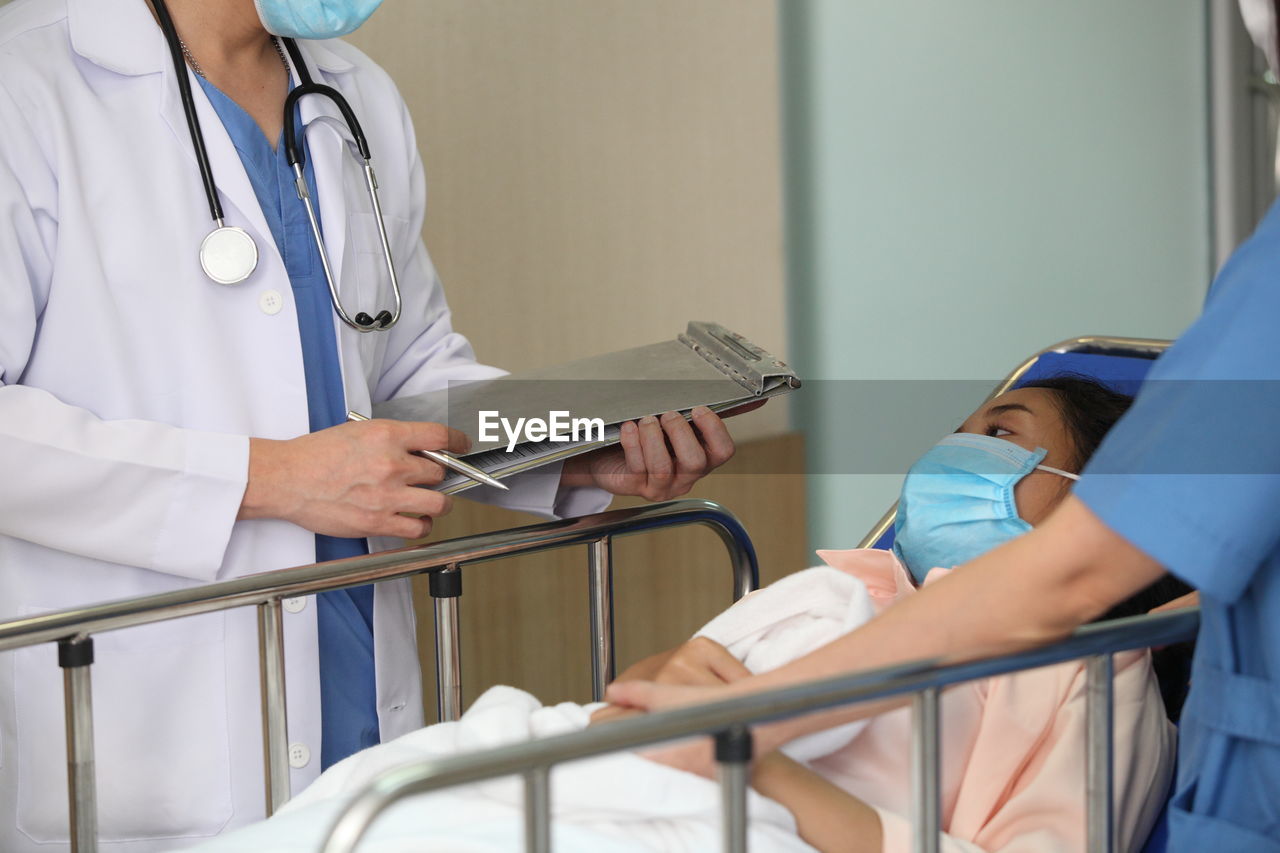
(753, 368)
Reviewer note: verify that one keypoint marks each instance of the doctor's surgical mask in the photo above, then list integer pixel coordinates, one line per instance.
(314, 19)
(1260, 20)
(957, 502)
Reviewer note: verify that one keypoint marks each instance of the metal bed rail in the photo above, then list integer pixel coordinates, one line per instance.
(73, 630)
(729, 722)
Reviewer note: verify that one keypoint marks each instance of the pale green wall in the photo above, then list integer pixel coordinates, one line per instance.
(970, 181)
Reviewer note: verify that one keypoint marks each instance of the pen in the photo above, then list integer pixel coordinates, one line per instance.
(450, 462)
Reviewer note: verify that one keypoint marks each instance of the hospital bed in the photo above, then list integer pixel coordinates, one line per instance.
(1120, 362)
(443, 562)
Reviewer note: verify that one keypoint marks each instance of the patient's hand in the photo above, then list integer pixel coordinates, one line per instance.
(695, 756)
(630, 698)
(647, 696)
(613, 712)
(639, 697)
(700, 662)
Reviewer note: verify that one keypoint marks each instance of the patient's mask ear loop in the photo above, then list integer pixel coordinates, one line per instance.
(1059, 472)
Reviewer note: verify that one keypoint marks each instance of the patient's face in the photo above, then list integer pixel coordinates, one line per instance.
(1029, 417)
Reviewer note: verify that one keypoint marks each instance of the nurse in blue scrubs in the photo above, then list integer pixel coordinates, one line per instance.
(1187, 482)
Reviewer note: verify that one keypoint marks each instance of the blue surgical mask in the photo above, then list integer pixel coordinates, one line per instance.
(957, 501)
(314, 19)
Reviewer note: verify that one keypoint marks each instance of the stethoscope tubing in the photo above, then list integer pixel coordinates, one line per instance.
(294, 151)
(295, 154)
(189, 110)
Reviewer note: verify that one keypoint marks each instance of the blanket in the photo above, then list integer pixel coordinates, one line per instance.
(618, 802)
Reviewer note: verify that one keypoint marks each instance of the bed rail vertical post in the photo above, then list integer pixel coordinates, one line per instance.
(925, 795)
(445, 587)
(275, 721)
(742, 555)
(537, 810)
(75, 656)
(733, 754)
(1099, 773)
(600, 583)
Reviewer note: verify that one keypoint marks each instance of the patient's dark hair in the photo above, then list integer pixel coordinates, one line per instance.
(1090, 409)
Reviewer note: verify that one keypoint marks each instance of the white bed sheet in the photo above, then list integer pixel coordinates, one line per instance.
(615, 803)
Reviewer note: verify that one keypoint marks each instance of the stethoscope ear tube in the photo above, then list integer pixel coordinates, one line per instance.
(294, 151)
(295, 154)
(293, 148)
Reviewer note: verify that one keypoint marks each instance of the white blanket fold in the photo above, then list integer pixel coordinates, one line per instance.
(787, 620)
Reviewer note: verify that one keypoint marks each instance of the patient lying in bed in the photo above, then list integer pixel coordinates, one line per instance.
(1012, 747)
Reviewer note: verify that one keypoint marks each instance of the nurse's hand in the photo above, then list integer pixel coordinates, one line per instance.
(658, 459)
(353, 480)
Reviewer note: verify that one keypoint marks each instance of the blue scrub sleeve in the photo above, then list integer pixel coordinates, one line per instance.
(1191, 475)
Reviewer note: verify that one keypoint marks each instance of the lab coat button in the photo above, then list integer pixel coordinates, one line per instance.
(271, 302)
(295, 605)
(299, 755)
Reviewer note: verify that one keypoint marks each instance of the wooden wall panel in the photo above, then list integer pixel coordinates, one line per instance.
(600, 171)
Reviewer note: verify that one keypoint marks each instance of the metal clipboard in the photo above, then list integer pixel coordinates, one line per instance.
(707, 365)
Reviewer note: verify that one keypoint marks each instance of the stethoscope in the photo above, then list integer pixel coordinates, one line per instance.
(229, 254)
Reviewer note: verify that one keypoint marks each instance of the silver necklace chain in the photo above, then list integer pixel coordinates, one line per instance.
(195, 66)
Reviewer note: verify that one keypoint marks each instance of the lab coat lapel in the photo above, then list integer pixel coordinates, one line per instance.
(118, 35)
(121, 36)
(235, 191)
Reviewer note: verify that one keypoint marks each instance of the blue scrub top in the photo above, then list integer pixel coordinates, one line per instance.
(1191, 475)
(348, 695)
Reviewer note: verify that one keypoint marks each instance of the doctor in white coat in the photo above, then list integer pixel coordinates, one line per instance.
(154, 425)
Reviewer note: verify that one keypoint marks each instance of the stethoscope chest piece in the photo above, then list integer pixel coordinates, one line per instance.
(228, 255)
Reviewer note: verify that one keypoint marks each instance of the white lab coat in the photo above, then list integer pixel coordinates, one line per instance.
(129, 383)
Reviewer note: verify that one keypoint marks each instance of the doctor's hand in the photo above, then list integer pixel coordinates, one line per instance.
(658, 459)
(352, 480)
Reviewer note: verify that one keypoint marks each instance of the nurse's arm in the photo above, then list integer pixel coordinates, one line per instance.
(1033, 590)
